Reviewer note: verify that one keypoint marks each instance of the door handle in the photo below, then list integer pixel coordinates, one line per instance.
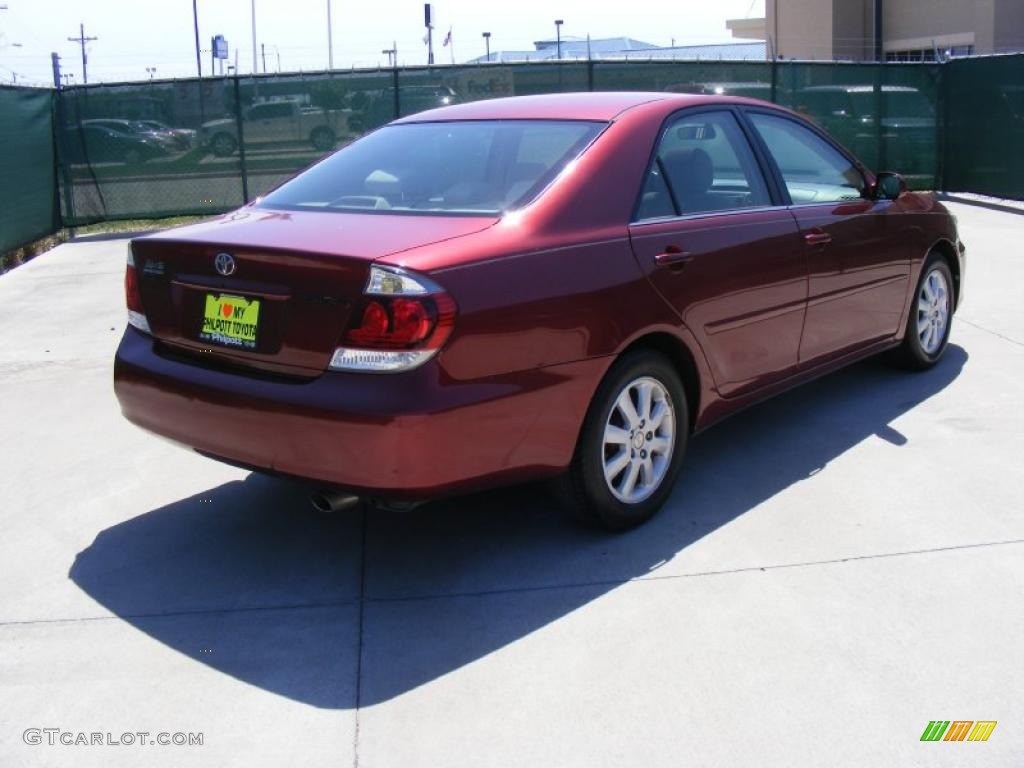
(673, 256)
(817, 237)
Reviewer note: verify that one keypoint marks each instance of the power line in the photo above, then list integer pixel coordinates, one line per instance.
(82, 40)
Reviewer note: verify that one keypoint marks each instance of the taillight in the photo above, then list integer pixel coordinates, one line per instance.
(133, 296)
(403, 321)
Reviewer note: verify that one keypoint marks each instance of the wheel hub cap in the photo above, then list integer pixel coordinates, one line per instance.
(639, 438)
(933, 307)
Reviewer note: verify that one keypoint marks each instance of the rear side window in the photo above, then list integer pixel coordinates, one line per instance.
(703, 164)
(812, 169)
(268, 111)
(454, 167)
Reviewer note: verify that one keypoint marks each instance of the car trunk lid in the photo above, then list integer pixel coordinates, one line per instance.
(287, 283)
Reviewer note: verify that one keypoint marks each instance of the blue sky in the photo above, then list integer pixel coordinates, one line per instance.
(158, 33)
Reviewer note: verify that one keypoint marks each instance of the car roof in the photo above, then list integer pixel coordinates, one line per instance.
(565, 106)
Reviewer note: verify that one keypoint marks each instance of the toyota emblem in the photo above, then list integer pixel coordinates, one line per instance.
(224, 263)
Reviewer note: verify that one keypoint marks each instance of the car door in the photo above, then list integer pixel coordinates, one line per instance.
(715, 241)
(857, 248)
(267, 123)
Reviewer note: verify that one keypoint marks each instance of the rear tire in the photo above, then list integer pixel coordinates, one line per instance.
(930, 318)
(223, 144)
(631, 446)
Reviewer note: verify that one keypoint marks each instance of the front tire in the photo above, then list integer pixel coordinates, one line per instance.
(631, 446)
(322, 139)
(930, 318)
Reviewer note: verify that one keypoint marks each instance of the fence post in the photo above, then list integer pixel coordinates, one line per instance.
(942, 127)
(59, 127)
(241, 142)
(590, 74)
(880, 147)
(775, 80)
(394, 84)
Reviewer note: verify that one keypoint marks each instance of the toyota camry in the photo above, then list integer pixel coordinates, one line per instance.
(565, 286)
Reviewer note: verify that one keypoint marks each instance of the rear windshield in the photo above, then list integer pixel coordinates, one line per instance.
(453, 168)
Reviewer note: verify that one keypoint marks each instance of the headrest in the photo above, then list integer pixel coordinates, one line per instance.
(688, 170)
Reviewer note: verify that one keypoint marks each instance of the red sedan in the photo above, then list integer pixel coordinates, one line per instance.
(548, 286)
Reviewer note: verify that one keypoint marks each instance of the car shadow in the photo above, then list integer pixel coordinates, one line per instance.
(252, 546)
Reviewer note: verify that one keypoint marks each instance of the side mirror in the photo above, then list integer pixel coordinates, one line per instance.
(889, 186)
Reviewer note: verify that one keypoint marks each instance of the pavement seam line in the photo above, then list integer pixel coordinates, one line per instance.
(994, 333)
(363, 599)
(695, 574)
(190, 612)
(364, 523)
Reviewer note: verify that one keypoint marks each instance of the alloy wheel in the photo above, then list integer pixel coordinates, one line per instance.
(639, 436)
(933, 311)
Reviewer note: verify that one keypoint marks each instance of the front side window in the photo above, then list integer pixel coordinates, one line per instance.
(454, 167)
(703, 164)
(812, 169)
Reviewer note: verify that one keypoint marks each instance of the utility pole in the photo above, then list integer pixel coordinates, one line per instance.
(558, 36)
(195, 25)
(330, 39)
(82, 40)
(487, 42)
(263, 54)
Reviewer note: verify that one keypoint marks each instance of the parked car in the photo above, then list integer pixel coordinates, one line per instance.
(850, 112)
(133, 128)
(275, 122)
(563, 286)
(181, 138)
(95, 143)
(751, 89)
(377, 108)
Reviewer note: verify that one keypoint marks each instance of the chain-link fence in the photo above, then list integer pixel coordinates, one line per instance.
(28, 208)
(146, 150)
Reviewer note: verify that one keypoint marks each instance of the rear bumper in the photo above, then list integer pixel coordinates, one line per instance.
(405, 436)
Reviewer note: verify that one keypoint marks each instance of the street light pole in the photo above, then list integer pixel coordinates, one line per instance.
(558, 36)
(487, 42)
(254, 70)
(428, 22)
(195, 25)
(330, 39)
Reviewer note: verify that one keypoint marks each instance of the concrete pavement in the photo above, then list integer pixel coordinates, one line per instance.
(835, 569)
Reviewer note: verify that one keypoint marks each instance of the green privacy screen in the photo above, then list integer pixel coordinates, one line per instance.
(984, 114)
(27, 204)
(207, 146)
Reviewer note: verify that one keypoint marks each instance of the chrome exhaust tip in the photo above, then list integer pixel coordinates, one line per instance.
(327, 501)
